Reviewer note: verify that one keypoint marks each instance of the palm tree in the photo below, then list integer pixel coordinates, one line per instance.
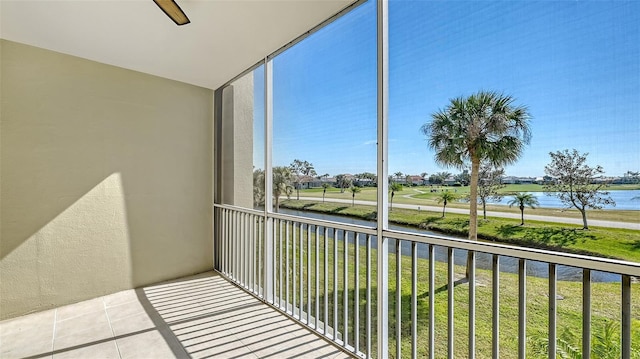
(398, 174)
(394, 187)
(442, 176)
(281, 183)
(522, 200)
(324, 190)
(444, 198)
(485, 126)
(354, 190)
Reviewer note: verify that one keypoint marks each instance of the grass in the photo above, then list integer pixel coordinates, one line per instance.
(605, 300)
(598, 241)
(421, 196)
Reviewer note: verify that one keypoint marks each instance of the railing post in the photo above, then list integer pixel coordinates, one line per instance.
(382, 167)
(626, 317)
(586, 314)
(268, 185)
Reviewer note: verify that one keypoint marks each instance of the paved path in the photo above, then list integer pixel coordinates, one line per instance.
(527, 217)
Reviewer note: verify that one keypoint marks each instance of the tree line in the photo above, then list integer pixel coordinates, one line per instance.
(482, 132)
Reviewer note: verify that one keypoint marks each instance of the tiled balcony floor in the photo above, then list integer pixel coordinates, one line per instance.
(201, 316)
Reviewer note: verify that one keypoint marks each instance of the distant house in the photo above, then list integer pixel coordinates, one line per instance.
(330, 180)
(450, 181)
(401, 180)
(526, 180)
(519, 180)
(415, 180)
(509, 180)
(363, 182)
(309, 182)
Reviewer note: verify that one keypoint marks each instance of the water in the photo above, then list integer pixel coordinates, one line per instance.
(623, 200)
(483, 260)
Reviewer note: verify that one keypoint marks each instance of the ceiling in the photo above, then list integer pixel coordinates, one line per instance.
(224, 38)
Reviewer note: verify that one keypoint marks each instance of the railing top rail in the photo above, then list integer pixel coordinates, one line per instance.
(562, 258)
(323, 223)
(239, 209)
(568, 259)
(305, 220)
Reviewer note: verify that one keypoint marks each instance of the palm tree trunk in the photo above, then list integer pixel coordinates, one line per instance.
(443, 208)
(277, 204)
(473, 208)
(473, 200)
(522, 215)
(484, 209)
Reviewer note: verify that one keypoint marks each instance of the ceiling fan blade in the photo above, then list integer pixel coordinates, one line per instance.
(173, 11)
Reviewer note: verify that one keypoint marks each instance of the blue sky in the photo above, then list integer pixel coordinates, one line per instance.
(574, 64)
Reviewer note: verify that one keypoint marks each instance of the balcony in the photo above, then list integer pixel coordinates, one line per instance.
(201, 316)
(325, 276)
(127, 163)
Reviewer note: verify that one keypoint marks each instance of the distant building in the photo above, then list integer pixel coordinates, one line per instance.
(415, 180)
(450, 181)
(518, 180)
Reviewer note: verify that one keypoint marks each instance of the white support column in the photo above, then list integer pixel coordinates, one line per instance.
(383, 185)
(268, 186)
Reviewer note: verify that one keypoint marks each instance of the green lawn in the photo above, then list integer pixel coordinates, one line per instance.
(421, 196)
(605, 303)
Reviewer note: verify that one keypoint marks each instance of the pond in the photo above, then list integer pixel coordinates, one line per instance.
(624, 200)
(483, 260)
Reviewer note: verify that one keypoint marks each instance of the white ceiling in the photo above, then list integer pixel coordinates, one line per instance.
(224, 38)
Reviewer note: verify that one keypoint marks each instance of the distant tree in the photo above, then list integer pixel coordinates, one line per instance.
(488, 185)
(463, 177)
(394, 187)
(484, 127)
(423, 175)
(344, 181)
(258, 188)
(439, 178)
(365, 178)
(300, 169)
(434, 179)
(632, 177)
(398, 175)
(575, 183)
(521, 200)
(445, 198)
(324, 190)
(281, 183)
(366, 175)
(354, 190)
(289, 191)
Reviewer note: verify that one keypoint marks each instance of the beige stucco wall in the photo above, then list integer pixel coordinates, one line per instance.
(237, 142)
(105, 179)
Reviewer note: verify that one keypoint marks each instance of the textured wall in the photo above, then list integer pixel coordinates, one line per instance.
(237, 142)
(105, 179)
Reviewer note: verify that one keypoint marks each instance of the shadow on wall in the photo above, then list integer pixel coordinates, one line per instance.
(106, 179)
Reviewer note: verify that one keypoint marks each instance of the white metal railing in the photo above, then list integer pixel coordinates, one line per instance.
(323, 275)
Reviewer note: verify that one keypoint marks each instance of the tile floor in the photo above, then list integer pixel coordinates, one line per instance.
(201, 316)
